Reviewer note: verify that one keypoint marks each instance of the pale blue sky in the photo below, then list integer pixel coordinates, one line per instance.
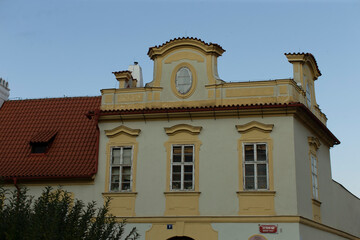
(54, 48)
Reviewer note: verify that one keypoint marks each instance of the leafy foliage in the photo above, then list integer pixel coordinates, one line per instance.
(56, 216)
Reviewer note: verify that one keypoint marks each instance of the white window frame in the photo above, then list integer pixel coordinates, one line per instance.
(182, 164)
(314, 176)
(121, 165)
(255, 163)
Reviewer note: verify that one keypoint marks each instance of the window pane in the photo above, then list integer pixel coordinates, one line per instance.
(177, 154)
(188, 185)
(261, 170)
(249, 152)
(176, 185)
(249, 183)
(177, 158)
(188, 169)
(126, 178)
(188, 151)
(125, 186)
(114, 187)
(116, 156)
(115, 171)
(249, 170)
(176, 169)
(126, 170)
(115, 178)
(177, 150)
(127, 156)
(183, 80)
(188, 158)
(188, 177)
(262, 182)
(261, 152)
(176, 177)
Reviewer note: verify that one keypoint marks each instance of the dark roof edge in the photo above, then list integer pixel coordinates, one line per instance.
(29, 178)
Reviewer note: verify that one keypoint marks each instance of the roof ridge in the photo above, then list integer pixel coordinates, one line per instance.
(186, 38)
(50, 98)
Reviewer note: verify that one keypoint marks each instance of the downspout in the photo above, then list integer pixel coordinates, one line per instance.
(96, 118)
(17, 187)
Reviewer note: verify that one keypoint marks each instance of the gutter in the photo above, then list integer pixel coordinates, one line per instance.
(96, 118)
(16, 179)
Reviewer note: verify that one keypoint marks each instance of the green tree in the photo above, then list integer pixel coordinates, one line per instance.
(56, 216)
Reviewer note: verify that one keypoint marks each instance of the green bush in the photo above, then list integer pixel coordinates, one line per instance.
(56, 216)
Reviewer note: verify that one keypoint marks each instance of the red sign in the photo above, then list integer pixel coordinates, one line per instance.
(268, 228)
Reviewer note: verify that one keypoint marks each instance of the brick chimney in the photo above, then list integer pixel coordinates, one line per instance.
(4, 91)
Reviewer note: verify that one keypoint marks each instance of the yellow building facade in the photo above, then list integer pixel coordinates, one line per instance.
(191, 156)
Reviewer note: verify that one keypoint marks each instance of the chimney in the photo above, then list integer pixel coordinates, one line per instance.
(124, 78)
(4, 91)
(136, 73)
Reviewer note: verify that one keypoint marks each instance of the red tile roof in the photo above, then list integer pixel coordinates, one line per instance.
(184, 38)
(73, 151)
(43, 136)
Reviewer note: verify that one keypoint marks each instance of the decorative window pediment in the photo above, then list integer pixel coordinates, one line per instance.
(194, 130)
(122, 129)
(254, 125)
(314, 142)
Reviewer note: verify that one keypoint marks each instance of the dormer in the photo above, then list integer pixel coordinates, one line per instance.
(41, 141)
(183, 67)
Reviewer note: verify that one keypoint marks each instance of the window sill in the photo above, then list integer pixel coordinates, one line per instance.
(118, 194)
(316, 202)
(183, 193)
(257, 193)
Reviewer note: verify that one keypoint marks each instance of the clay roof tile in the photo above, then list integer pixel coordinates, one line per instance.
(72, 153)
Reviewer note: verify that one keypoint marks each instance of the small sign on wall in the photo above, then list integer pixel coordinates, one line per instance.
(268, 228)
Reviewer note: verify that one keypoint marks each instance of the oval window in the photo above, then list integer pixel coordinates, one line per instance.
(183, 80)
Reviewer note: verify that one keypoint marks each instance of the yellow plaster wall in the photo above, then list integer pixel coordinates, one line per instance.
(198, 231)
(180, 203)
(246, 92)
(123, 202)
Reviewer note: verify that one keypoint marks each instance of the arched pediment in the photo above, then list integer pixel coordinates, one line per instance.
(208, 48)
(195, 130)
(122, 129)
(306, 58)
(254, 125)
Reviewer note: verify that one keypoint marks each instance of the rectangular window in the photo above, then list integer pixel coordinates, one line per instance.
(314, 176)
(182, 167)
(255, 166)
(121, 168)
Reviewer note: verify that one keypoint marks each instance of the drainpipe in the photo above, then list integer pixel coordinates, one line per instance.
(17, 187)
(96, 118)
